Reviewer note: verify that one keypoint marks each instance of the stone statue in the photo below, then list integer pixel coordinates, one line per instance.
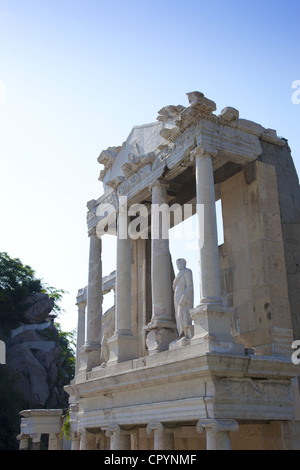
(183, 299)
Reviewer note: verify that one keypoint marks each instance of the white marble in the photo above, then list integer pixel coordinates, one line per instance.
(162, 328)
(181, 378)
(210, 289)
(90, 356)
(183, 299)
(123, 345)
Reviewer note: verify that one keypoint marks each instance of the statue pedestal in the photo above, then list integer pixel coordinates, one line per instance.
(180, 343)
(122, 347)
(90, 356)
(212, 329)
(160, 335)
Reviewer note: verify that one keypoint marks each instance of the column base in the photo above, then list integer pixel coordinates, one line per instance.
(160, 335)
(122, 347)
(212, 329)
(90, 357)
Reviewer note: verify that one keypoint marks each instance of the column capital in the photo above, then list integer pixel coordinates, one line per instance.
(163, 437)
(113, 429)
(159, 183)
(120, 439)
(217, 425)
(116, 430)
(202, 151)
(81, 297)
(23, 438)
(92, 231)
(154, 426)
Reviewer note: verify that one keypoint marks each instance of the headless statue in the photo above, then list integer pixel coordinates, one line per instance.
(183, 299)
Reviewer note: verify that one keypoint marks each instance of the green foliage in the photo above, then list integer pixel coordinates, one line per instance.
(67, 344)
(17, 282)
(56, 294)
(66, 429)
(10, 404)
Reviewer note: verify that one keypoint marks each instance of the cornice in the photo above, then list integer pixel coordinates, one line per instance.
(225, 137)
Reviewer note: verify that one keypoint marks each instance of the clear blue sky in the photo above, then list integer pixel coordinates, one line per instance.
(76, 75)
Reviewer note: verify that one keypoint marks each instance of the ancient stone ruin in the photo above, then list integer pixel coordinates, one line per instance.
(157, 371)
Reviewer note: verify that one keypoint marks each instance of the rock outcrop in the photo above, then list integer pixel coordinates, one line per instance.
(34, 357)
(38, 307)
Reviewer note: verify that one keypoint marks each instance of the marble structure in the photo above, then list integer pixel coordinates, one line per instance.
(232, 383)
(183, 299)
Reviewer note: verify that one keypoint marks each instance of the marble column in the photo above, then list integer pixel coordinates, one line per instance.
(163, 437)
(90, 356)
(55, 442)
(36, 441)
(75, 440)
(23, 441)
(81, 303)
(162, 329)
(210, 287)
(123, 345)
(217, 432)
(87, 440)
(120, 439)
(212, 319)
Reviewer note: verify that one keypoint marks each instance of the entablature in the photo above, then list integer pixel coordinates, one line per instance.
(232, 142)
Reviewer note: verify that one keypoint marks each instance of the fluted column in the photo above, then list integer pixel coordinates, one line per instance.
(123, 345)
(162, 329)
(163, 437)
(160, 261)
(217, 432)
(212, 319)
(210, 287)
(123, 277)
(90, 356)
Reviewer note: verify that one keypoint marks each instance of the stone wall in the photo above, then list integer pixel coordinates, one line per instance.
(289, 203)
(253, 257)
(260, 257)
